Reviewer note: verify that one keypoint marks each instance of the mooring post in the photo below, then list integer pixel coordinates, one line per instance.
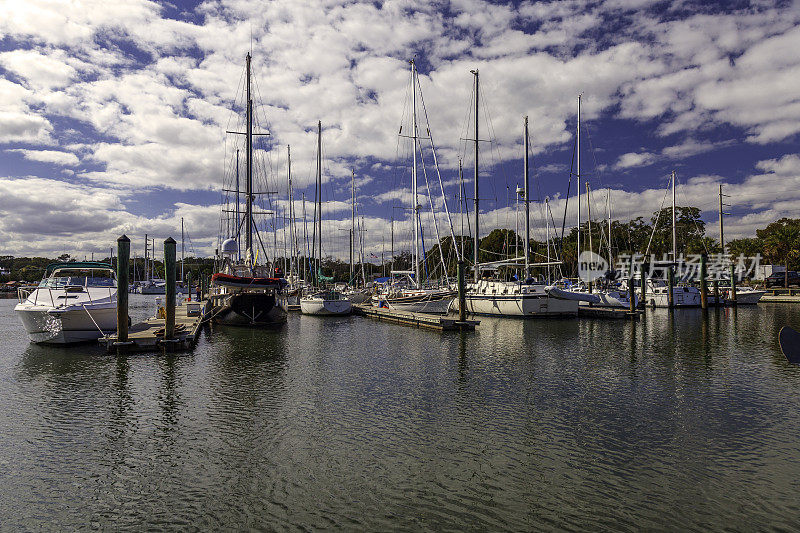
(123, 258)
(703, 282)
(169, 296)
(715, 285)
(670, 287)
(631, 295)
(189, 284)
(645, 270)
(733, 283)
(462, 297)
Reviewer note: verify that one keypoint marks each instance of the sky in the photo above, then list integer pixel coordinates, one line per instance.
(113, 116)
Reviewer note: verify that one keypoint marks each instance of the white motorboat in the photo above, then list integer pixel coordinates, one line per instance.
(657, 294)
(325, 303)
(74, 302)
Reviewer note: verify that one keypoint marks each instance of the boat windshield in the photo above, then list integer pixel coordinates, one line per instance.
(79, 278)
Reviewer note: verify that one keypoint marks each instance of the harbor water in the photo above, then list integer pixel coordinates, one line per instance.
(675, 422)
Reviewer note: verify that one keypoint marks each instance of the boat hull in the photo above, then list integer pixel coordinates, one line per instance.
(520, 305)
(318, 306)
(435, 304)
(253, 309)
(682, 298)
(45, 326)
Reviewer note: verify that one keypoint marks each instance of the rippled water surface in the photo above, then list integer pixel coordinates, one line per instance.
(675, 422)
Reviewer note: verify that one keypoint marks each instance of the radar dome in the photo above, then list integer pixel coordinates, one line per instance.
(229, 247)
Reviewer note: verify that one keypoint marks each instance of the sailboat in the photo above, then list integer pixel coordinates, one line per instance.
(657, 289)
(526, 297)
(322, 302)
(412, 295)
(245, 291)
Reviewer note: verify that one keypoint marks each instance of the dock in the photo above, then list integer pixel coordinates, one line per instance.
(781, 295)
(148, 336)
(419, 320)
(607, 312)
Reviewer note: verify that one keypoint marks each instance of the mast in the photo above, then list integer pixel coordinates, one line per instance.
(292, 233)
(249, 181)
(305, 238)
(146, 246)
(721, 232)
(547, 239)
(578, 173)
(238, 214)
(589, 217)
(608, 208)
(352, 224)
(414, 196)
(674, 227)
(527, 203)
(182, 248)
(319, 194)
(477, 233)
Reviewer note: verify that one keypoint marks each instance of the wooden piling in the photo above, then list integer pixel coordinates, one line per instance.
(123, 259)
(645, 270)
(733, 283)
(703, 282)
(671, 287)
(169, 295)
(715, 287)
(462, 296)
(189, 284)
(631, 295)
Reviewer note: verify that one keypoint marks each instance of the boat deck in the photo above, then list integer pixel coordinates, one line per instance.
(148, 336)
(419, 320)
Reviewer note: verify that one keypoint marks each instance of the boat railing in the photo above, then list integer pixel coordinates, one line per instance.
(23, 293)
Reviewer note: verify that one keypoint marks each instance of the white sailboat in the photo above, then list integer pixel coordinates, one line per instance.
(509, 298)
(329, 302)
(415, 296)
(74, 302)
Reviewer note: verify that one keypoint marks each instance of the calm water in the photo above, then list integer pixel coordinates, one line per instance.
(671, 423)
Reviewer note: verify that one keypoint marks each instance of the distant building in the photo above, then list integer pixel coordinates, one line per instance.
(764, 271)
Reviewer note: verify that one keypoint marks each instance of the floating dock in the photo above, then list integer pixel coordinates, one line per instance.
(148, 336)
(585, 311)
(781, 295)
(419, 320)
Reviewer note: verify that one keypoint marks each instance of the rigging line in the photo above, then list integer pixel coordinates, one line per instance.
(566, 201)
(430, 201)
(655, 224)
(436, 164)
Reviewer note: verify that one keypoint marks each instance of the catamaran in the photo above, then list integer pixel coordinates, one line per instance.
(74, 302)
(247, 292)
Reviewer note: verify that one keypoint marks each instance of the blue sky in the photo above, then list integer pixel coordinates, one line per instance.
(112, 116)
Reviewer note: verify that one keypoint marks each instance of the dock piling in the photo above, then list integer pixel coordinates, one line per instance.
(631, 296)
(169, 296)
(189, 285)
(671, 287)
(645, 270)
(703, 282)
(462, 297)
(733, 283)
(123, 258)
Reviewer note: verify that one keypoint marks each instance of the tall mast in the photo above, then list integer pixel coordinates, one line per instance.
(527, 203)
(414, 196)
(319, 193)
(578, 173)
(182, 248)
(589, 217)
(249, 181)
(353, 224)
(674, 227)
(146, 246)
(292, 243)
(238, 214)
(721, 232)
(608, 208)
(547, 239)
(477, 233)
(305, 238)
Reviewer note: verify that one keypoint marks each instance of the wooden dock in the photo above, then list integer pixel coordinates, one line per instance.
(419, 320)
(148, 336)
(781, 295)
(585, 311)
